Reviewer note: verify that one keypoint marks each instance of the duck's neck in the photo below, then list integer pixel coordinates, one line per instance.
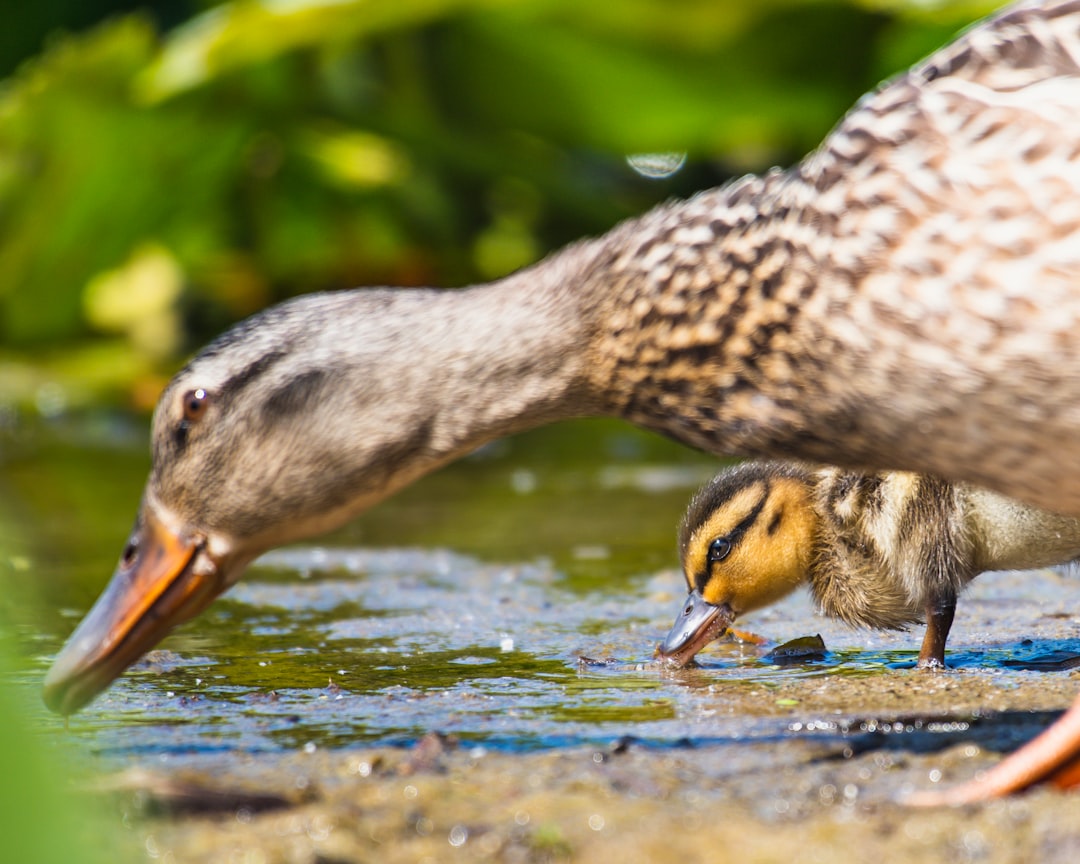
(678, 320)
(500, 358)
(700, 302)
(691, 320)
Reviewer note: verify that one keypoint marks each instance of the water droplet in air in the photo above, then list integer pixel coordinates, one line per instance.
(656, 166)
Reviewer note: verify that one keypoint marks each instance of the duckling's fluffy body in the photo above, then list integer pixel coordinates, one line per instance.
(876, 549)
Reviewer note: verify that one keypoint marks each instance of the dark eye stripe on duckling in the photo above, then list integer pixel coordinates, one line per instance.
(701, 579)
(774, 523)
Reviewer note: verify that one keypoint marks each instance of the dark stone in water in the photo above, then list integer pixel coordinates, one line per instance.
(802, 650)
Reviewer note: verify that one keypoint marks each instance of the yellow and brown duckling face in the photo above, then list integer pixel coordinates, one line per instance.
(745, 542)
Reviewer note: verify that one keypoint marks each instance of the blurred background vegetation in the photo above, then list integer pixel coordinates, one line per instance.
(169, 167)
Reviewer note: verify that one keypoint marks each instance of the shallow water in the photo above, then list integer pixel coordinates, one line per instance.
(513, 602)
(380, 647)
(569, 555)
(548, 531)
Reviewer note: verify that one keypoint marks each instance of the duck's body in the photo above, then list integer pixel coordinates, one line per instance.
(876, 549)
(906, 297)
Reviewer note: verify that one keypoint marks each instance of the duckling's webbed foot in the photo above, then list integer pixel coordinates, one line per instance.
(939, 617)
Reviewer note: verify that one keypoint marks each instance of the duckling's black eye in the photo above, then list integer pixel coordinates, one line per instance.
(195, 404)
(719, 549)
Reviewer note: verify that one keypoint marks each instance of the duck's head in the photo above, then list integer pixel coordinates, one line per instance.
(745, 542)
(285, 427)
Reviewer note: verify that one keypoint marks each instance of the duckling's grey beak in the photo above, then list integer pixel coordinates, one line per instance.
(163, 578)
(696, 626)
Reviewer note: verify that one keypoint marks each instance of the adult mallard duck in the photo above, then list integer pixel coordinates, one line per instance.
(906, 297)
(879, 549)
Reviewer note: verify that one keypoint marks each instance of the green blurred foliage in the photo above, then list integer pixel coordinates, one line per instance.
(154, 188)
(44, 818)
(28, 27)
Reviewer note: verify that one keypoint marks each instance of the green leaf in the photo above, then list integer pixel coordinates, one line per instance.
(235, 35)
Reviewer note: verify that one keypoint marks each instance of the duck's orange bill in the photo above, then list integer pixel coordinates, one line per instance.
(155, 587)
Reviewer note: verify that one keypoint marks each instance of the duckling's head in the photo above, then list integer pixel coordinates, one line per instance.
(285, 427)
(745, 542)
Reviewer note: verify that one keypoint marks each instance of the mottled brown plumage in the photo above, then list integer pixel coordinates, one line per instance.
(906, 297)
(913, 280)
(876, 549)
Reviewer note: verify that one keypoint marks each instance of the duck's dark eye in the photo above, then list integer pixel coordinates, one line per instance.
(195, 404)
(719, 549)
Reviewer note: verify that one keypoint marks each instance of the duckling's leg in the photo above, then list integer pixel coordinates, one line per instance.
(939, 618)
(1053, 756)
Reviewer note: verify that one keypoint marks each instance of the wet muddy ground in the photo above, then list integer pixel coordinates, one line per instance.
(764, 800)
(426, 706)
(368, 700)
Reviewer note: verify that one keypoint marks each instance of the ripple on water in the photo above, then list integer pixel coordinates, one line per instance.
(341, 647)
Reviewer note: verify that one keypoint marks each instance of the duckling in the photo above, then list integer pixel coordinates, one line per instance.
(876, 549)
(907, 296)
